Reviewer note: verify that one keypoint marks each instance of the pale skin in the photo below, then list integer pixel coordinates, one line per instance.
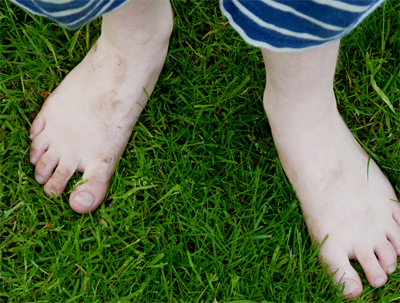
(328, 169)
(86, 123)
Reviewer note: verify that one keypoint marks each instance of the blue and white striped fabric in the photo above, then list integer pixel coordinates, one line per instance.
(295, 25)
(278, 25)
(70, 13)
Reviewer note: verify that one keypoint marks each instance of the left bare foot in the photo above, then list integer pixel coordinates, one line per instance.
(86, 122)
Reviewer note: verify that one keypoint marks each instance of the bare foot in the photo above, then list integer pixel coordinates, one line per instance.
(342, 196)
(86, 122)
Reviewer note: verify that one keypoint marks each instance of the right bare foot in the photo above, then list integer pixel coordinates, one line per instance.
(345, 196)
(86, 122)
(343, 193)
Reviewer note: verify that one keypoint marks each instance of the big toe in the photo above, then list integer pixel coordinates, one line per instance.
(344, 273)
(88, 196)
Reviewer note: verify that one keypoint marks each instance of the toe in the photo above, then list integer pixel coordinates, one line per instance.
(387, 256)
(45, 167)
(38, 148)
(88, 196)
(36, 128)
(374, 272)
(344, 273)
(59, 180)
(393, 234)
(396, 212)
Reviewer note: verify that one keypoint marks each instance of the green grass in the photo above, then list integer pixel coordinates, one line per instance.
(219, 222)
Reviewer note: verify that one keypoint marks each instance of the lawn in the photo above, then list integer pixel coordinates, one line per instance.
(199, 209)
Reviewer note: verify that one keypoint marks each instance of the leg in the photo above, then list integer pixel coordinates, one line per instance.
(328, 169)
(86, 122)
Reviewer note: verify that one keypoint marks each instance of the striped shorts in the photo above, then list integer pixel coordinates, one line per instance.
(278, 25)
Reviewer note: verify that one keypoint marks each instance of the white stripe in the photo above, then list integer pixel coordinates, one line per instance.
(55, 1)
(97, 15)
(343, 6)
(26, 8)
(290, 9)
(282, 31)
(107, 6)
(361, 18)
(69, 11)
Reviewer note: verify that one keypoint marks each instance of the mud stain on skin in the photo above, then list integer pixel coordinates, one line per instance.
(120, 73)
(105, 124)
(332, 176)
(115, 104)
(95, 66)
(127, 115)
(108, 108)
(105, 104)
(107, 160)
(33, 151)
(110, 173)
(96, 60)
(107, 164)
(337, 175)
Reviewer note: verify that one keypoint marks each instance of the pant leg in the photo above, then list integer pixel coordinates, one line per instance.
(294, 25)
(70, 13)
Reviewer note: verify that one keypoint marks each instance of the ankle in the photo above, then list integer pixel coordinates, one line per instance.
(139, 23)
(298, 113)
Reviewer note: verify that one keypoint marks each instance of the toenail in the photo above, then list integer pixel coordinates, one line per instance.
(31, 135)
(39, 179)
(350, 286)
(379, 282)
(391, 269)
(52, 192)
(33, 159)
(84, 199)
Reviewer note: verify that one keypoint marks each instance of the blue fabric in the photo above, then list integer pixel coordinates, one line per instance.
(294, 25)
(283, 19)
(326, 13)
(279, 25)
(70, 13)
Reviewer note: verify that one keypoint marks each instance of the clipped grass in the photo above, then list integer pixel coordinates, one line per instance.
(199, 208)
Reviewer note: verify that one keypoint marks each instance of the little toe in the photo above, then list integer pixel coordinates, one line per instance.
(339, 264)
(59, 180)
(396, 212)
(88, 196)
(38, 148)
(36, 128)
(387, 256)
(393, 234)
(45, 167)
(374, 272)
